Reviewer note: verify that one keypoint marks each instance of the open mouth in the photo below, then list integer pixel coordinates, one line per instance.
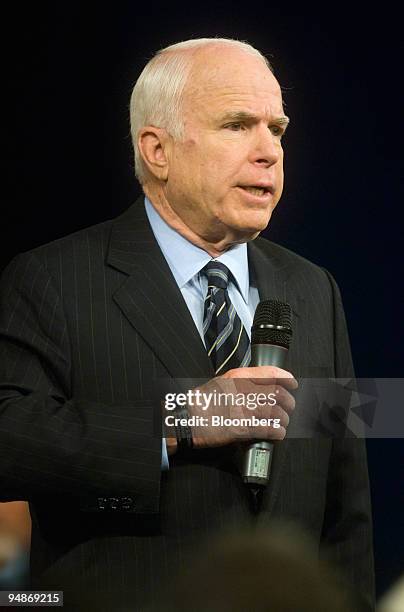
(256, 191)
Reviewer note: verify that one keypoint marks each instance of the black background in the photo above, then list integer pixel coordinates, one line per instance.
(69, 158)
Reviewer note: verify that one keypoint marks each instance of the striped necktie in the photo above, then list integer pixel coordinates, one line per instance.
(226, 339)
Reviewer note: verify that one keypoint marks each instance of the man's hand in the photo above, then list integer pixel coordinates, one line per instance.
(262, 392)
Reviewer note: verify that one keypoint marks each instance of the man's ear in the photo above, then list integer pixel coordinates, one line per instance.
(153, 144)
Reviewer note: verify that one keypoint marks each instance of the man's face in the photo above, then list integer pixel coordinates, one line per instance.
(226, 176)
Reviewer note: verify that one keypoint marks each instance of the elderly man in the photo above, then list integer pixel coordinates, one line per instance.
(91, 322)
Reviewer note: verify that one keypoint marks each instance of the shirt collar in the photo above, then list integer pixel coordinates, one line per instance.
(186, 260)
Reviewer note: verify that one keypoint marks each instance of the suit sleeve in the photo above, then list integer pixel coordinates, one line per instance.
(51, 443)
(347, 528)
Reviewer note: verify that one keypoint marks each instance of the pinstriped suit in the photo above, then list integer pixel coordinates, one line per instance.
(87, 325)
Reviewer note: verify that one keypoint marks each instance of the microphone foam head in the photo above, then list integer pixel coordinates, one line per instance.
(272, 323)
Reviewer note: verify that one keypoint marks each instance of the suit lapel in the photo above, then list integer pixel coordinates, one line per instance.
(151, 299)
(272, 274)
(272, 277)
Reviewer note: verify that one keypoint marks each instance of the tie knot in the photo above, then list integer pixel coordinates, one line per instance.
(217, 274)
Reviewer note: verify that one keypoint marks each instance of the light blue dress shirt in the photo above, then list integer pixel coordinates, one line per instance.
(186, 261)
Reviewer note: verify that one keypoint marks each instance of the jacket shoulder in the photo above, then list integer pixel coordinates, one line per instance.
(76, 252)
(90, 236)
(286, 258)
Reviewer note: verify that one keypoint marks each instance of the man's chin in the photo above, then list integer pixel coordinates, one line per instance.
(253, 226)
(243, 235)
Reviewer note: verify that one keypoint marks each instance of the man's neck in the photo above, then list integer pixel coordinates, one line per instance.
(215, 244)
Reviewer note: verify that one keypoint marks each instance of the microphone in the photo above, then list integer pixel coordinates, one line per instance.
(271, 334)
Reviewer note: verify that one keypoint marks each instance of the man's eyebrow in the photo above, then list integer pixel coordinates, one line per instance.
(245, 116)
(283, 120)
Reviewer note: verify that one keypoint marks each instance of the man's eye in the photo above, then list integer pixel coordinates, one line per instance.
(235, 127)
(276, 130)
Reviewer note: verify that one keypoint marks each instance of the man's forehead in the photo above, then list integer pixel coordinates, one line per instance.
(221, 100)
(231, 73)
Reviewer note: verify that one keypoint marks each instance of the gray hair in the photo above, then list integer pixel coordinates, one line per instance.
(157, 95)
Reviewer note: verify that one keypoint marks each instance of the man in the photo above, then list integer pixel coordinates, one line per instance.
(92, 322)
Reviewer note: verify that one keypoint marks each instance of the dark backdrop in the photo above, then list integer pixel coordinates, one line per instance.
(71, 72)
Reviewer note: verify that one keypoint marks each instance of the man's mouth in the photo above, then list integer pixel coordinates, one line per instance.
(257, 191)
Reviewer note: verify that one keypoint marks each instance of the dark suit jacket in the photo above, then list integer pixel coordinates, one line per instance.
(88, 323)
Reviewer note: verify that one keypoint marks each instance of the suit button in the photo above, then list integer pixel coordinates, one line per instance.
(127, 504)
(102, 503)
(113, 503)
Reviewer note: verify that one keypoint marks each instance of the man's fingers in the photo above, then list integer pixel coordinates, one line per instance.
(285, 399)
(273, 393)
(276, 413)
(264, 375)
(289, 382)
(267, 433)
(247, 397)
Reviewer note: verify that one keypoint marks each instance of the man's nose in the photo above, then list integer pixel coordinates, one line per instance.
(267, 147)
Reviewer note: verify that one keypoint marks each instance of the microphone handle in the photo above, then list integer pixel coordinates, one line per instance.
(257, 461)
(268, 355)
